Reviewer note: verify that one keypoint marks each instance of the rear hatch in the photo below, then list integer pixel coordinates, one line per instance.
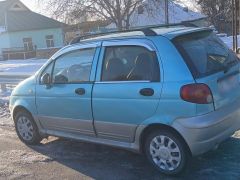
(211, 62)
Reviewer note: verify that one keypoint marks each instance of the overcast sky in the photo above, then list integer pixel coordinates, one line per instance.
(31, 4)
(34, 6)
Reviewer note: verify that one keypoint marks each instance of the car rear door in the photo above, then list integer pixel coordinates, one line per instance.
(127, 89)
(212, 63)
(65, 105)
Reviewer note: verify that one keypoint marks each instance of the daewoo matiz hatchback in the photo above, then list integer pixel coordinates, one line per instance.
(170, 93)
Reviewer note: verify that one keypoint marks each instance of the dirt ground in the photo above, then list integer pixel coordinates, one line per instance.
(64, 159)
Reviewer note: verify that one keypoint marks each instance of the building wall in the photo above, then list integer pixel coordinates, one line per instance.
(4, 41)
(38, 38)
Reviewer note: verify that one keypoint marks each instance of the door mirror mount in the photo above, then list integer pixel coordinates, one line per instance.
(46, 79)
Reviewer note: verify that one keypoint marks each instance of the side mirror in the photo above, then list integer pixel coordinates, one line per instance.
(46, 79)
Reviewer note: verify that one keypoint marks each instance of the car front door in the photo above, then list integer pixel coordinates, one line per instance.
(127, 89)
(64, 105)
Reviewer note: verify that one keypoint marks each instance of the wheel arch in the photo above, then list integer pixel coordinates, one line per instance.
(158, 126)
(20, 108)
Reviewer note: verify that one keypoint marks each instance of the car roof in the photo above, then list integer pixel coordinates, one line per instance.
(170, 33)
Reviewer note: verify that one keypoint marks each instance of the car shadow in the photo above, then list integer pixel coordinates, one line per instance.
(103, 162)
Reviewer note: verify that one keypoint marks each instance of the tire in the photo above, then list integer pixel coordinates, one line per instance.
(26, 128)
(169, 161)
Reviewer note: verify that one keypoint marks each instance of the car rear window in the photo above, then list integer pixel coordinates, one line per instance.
(205, 53)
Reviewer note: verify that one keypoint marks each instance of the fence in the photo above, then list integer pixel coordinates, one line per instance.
(18, 53)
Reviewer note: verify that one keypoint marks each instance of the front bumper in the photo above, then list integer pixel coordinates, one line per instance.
(203, 133)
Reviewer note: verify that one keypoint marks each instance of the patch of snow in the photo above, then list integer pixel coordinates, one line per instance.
(4, 103)
(190, 5)
(222, 35)
(6, 122)
(4, 96)
(2, 29)
(15, 67)
(4, 107)
(228, 40)
(29, 66)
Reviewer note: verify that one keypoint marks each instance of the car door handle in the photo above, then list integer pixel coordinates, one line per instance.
(80, 91)
(147, 92)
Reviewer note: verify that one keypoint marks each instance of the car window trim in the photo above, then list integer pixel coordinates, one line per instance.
(130, 42)
(123, 43)
(53, 62)
(122, 82)
(76, 47)
(52, 83)
(80, 82)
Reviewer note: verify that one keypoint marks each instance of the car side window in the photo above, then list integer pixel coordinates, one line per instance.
(48, 70)
(73, 67)
(130, 63)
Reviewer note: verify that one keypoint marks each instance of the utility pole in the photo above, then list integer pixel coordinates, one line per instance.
(166, 12)
(6, 21)
(235, 23)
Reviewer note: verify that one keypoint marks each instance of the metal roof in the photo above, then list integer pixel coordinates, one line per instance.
(24, 20)
(28, 20)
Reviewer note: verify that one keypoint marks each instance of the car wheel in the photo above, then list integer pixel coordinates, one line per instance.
(26, 128)
(167, 152)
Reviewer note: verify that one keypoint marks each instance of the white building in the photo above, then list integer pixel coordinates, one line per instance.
(152, 12)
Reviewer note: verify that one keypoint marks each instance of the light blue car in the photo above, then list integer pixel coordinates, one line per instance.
(170, 93)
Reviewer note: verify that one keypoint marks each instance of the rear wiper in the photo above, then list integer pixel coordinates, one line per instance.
(228, 65)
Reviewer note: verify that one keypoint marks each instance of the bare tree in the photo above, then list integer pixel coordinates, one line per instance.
(217, 10)
(116, 11)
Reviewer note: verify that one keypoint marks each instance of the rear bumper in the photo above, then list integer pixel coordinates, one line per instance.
(203, 133)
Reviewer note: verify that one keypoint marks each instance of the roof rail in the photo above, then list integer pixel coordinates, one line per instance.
(146, 30)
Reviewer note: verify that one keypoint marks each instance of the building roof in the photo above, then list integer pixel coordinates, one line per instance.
(28, 20)
(5, 5)
(23, 19)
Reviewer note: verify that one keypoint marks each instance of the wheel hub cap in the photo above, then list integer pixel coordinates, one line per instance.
(165, 153)
(25, 128)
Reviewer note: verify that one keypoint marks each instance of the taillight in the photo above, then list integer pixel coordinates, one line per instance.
(196, 93)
